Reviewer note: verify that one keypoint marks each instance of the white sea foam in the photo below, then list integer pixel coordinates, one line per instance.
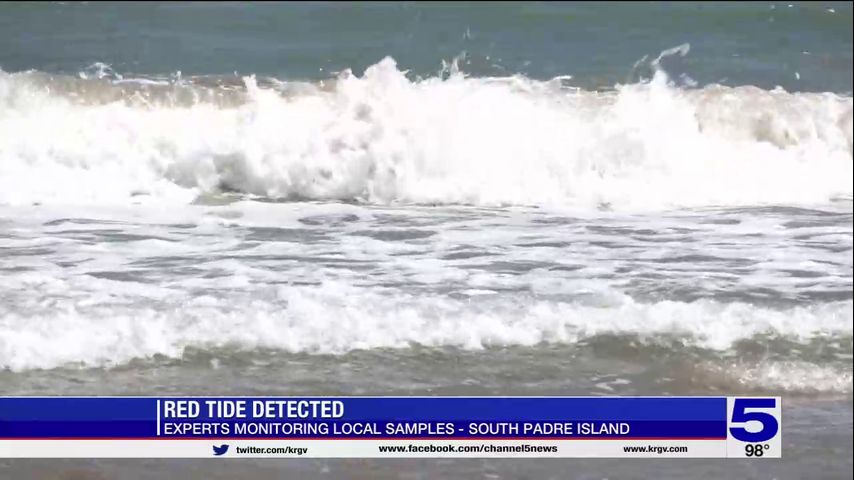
(383, 138)
(108, 329)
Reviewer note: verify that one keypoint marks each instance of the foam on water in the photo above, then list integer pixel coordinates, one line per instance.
(112, 328)
(762, 287)
(383, 138)
(125, 238)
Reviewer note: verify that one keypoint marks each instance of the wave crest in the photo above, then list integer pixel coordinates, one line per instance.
(383, 138)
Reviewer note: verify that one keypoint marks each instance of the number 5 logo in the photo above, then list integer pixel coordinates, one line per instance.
(740, 414)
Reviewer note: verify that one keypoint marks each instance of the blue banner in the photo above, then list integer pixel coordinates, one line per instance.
(364, 418)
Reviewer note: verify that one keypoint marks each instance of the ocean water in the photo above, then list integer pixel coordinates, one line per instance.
(431, 199)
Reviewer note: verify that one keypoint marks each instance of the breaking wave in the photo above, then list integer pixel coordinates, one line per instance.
(385, 138)
(336, 318)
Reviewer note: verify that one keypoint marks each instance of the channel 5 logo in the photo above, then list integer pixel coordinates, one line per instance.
(220, 450)
(754, 427)
(750, 410)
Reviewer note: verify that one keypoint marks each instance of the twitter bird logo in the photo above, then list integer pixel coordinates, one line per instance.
(220, 450)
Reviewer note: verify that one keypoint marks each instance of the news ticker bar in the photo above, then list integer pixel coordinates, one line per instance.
(385, 427)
